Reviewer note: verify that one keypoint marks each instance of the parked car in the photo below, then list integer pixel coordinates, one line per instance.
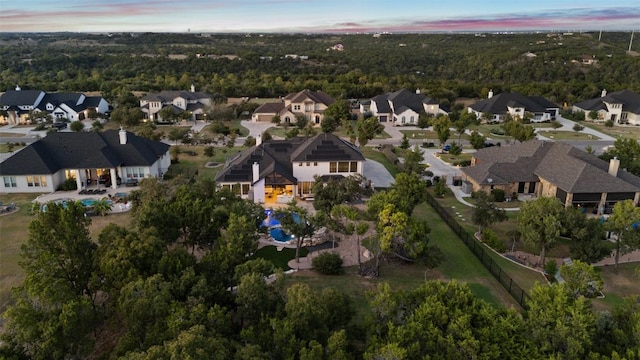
(59, 125)
(446, 147)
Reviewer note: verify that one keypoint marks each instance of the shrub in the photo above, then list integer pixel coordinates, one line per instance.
(497, 195)
(68, 185)
(428, 145)
(609, 123)
(455, 149)
(491, 239)
(328, 263)
(462, 163)
(551, 268)
(209, 151)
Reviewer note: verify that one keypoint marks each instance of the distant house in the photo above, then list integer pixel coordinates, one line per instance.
(621, 107)
(310, 104)
(19, 105)
(280, 170)
(196, 103)
(402, 107)
(111, 157)
(552, 169)
(495, 108)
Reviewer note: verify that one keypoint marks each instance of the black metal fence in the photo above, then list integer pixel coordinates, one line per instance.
(481, 253)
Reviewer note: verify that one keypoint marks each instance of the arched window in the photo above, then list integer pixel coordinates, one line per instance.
(404, 119)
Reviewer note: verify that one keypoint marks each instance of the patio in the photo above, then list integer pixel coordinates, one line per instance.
(92, 192)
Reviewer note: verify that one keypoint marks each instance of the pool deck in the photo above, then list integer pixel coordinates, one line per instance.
(73, 195)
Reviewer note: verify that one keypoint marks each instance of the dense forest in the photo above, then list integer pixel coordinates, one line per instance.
(178, 285)
(444, 66)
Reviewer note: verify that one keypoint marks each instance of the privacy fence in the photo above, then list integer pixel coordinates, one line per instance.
(484, 255)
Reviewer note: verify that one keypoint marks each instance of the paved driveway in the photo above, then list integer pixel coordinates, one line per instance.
(377, 173)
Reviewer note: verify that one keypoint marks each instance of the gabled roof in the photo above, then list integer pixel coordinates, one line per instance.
(315, 96)
(269, 108)
(20, 97)
(630, 102)
(169, 95)
(382, 104)
(569, 168)
(278, 156)
(499, 104)
(401, 100)
(92, 150)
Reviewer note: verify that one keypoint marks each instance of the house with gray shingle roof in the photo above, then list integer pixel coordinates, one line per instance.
(307, 103)
(401, 107)
(555, 169)
(621, 107)
(497, 108)
(86, 157)
(19, 104)
(194, 102)
(280, 170)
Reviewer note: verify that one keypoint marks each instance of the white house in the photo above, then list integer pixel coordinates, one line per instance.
(20, 105)
(280, 170)
(621, 107)
(179, 101)
(111, 158)
(401, 107)
(495, 108)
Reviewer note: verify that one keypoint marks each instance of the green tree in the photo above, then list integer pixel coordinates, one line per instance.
(577, 127)
(581, 279)
(178, 134)
(404, 143)
(334, 115)
(539, 222)
(296, 221)
(413, 161)
(442, 126)
(54, 309)
(102, 207)
(519, 131)
(486, 213)
(367, 129)
(335, 192)
(560, 325)
(477, 140)
(627, 150)
(424, 120)
(625, 215)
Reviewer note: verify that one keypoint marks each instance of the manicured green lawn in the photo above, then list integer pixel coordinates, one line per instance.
(5, 149)
(449, 158)
(617, 131)
(567, 135)
(373, 154)
(618, 285)
(278, 258)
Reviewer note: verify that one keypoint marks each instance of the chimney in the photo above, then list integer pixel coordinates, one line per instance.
(256, 172)
(418, 91)
(604, 93)
(258, 139)
(614, 165)
(193, 88)
(123, 136)
(18, 88)
(490, 94)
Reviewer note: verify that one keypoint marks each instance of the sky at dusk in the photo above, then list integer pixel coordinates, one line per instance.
(337, 16)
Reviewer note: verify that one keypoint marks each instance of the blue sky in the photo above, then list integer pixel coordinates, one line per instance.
(315, 16)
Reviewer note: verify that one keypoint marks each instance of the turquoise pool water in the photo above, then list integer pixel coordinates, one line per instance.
(90, 201)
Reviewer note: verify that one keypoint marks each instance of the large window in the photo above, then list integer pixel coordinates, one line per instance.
(134, 172)
(343, 167)
(36, 181)
(10, 181)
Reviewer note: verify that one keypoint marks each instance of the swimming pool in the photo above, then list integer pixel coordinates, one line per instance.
(278, 234)
(90, 201)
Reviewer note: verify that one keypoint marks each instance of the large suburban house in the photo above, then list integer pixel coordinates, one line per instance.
(278, 171)
(402, 107)
(496, 108)
(196, 103)
(114, 158)
(20, 106)
(553, 169)
(310, 104)
(621, 107)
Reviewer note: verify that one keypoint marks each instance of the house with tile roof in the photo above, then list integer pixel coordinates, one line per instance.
(278, 171)
(307, 103)
(18, 105)
(497, 108)
(401, 107)
(87, 157)
(196, 103)
(621, 107)
(552, 169)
